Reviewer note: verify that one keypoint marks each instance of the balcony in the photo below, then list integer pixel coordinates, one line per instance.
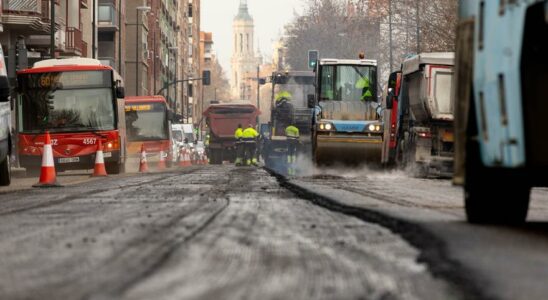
(32, 16)
(107, 20)
(74, 43)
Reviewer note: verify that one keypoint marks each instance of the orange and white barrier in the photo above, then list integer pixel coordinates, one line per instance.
(184, 158)
(48, 177)
(99, 168)
(162, 163)
(143, 165)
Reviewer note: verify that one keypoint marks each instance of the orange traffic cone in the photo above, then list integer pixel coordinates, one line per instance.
(143, 166)
(162, 162)
(48, 178)
(99, 169)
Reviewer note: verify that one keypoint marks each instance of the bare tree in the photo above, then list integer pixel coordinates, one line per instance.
(343, 28)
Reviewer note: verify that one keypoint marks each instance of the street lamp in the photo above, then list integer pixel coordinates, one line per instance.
(176, 50)
(139, 9)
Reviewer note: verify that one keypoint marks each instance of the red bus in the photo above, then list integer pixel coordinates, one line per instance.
(148, 123)
(77, 100)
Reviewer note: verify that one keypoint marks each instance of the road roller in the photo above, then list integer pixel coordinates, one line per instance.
(347, 127)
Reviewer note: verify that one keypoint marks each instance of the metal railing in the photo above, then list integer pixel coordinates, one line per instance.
(74, 42)
(22, 6)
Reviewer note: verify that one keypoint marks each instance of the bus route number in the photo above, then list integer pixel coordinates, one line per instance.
(90, 141)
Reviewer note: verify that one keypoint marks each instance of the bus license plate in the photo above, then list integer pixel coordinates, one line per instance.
(68, 160)
(107, 154)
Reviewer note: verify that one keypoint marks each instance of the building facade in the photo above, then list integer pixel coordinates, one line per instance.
(111, 34)
(137, 65)
(244, 60)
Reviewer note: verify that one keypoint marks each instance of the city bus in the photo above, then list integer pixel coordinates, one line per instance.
(148, 125)
(78, 101)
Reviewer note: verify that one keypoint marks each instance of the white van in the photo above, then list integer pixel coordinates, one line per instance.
(179, 133)
(5, 124)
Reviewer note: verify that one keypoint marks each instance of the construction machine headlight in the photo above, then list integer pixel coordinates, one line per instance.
(326, 126)
(374, 128)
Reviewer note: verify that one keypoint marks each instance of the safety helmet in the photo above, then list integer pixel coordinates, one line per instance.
(284, 95)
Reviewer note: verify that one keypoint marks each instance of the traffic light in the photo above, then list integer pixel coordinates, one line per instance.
(313, 56)
(206, 77)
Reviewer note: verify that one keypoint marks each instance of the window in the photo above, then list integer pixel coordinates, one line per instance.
(241, 42)
(247, 42)
(190, 10)
(348, 83)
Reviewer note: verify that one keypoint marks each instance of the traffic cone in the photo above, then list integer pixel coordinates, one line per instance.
(143, 166)
(162, 162)
(99, 169)
(185, 159)
(48, 177)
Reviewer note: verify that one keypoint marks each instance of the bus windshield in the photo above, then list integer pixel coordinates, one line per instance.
(61, 103)
(299, 87)
(348, 83)
(146, 122)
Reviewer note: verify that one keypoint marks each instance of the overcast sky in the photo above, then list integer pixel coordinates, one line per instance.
(269, 16)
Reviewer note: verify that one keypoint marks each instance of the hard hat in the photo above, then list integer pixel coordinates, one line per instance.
(283, 95)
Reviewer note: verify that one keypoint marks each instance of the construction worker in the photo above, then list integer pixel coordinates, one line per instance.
(238, 134)
(249, 138)
(292, 134)
(283, 112)
(364, 85)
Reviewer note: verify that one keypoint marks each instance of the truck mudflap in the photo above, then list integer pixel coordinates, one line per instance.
(348, 149)
(435, 167)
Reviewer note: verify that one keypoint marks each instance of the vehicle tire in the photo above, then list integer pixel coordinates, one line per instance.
(492, 196)
(5, 172)
(114, 168)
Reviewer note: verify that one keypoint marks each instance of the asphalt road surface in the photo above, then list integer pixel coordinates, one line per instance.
(215, 232)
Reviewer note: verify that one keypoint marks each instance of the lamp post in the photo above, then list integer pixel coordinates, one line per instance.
(139, 9)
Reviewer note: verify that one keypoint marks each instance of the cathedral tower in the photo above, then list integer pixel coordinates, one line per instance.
(244, 60)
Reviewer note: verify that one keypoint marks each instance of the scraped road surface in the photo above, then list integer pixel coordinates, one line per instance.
(201, 233)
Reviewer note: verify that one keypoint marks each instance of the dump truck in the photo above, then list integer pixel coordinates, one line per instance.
(425, 134)
(501, 107)
(299, 85)
(390, 118)
(222, 121)
(347, 126)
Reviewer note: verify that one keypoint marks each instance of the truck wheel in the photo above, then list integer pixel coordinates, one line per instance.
(215, 158)
(492, 196)
(5, 172)
(498, 203)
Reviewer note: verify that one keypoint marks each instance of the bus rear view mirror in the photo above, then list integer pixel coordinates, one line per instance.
(4, 94)
(120, 92)
(311, 101)
(390, 99)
